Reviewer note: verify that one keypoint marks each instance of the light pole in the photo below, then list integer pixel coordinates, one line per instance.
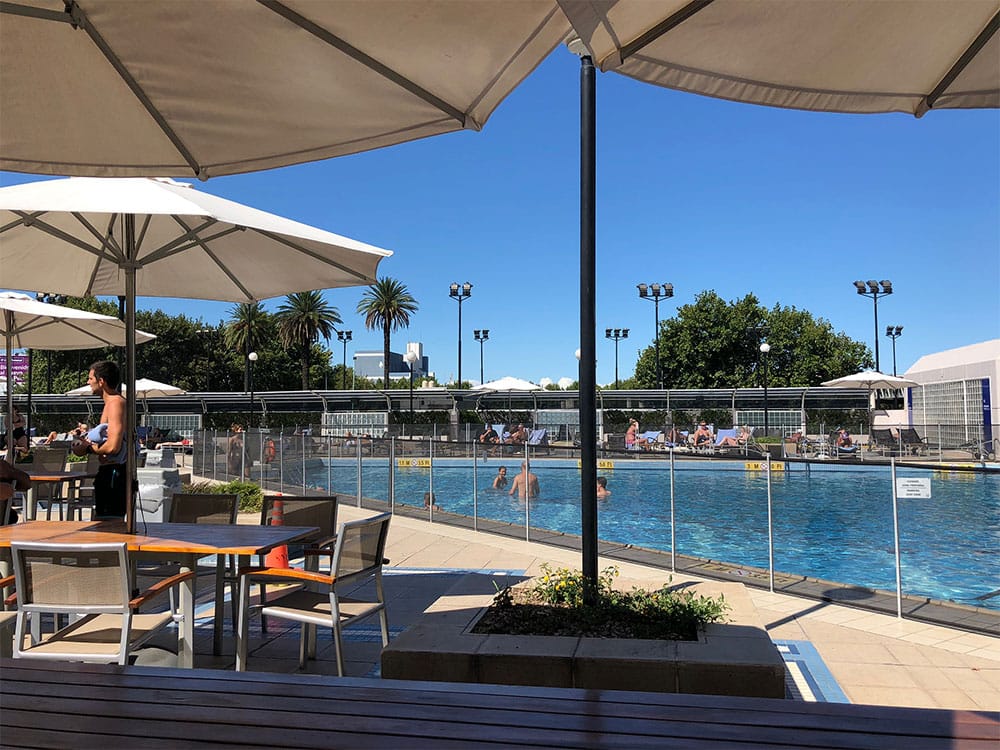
(208, 356)
(764, 349)
(344, 337)
(49, 299)
(871, 289)
(251, 358)
(617, 334)
(656, 292)
(460, 293)
(411, 357)
(481, 336)
(894, 332)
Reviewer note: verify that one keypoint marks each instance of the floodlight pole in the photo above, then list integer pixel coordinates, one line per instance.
(894, 332)
(344, 337)
(656, 292)
(617, 334)
(871, 290)
(460, 293)
(482, 336)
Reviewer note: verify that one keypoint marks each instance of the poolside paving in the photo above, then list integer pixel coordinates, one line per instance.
(874, 657)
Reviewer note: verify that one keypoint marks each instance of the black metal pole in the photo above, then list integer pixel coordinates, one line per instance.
(250, 378)
(893, 356)
(246, 355)
(411, 393)
(659, 370)
(875, 299)
(459, 385)
(616, 363)
(588, 321)
(48, 372)
(343, 376)
(481, 381)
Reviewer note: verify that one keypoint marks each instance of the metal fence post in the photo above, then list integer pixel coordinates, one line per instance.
(475, 488)
(431, 498)
(526, 489)
(357, 443)
(281, 460)
(392, 475)
(305, 490)
(673, 522)
(770, 527)
(895, 540)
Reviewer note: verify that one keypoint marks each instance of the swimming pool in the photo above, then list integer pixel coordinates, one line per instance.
(830, 522)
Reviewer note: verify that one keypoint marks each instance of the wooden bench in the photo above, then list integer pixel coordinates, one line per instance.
(104, 706)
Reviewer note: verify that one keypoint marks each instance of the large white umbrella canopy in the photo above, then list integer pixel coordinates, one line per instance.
(508, 383)
(144, 388)
(215, 87)
(873, 380)
(159, 238)
(824, 55)
(29, 324)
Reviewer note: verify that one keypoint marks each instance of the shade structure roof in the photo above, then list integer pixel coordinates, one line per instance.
(824, 55)
(67, 236)
(217, 87)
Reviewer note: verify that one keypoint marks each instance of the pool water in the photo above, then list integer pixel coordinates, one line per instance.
(833, 523)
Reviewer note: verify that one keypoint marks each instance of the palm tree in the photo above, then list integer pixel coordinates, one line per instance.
(302, 319)
(246, 328)
(387, 304)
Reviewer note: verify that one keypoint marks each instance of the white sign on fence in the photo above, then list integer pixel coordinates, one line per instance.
(910, 487)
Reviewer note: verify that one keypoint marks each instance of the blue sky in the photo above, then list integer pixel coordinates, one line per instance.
(702, 193)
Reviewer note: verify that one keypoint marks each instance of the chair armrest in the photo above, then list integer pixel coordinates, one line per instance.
(6, 581)
(12, 599)
(290, 573)
(160, 587)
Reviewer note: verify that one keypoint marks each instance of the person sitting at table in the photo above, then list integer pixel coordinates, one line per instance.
(12, 479)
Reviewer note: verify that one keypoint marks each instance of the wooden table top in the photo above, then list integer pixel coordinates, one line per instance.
(59, 476)
(188, 538)
(50, 704)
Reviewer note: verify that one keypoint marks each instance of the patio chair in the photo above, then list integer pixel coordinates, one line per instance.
(7, 619)
(357, 560)
(92, 584)
(320, 512)
(883, 442)
(210, 509)
(84, 496)
(44, 460)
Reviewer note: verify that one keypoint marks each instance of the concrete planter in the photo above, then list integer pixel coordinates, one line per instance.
(733, 658)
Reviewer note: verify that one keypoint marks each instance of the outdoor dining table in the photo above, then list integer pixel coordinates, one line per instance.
(71, 479)
(182, 542)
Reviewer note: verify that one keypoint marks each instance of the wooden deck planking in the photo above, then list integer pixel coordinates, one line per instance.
(307, 711)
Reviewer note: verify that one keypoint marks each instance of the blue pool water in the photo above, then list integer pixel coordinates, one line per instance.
(831, 522)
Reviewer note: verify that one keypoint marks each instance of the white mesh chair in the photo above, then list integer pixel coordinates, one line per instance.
(334, 600)
(48, 459)
(90, 583)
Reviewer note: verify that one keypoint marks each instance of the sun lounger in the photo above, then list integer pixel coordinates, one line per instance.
(883, 442)
(912, 442)
(539, 438)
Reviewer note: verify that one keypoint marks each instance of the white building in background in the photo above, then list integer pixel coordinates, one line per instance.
(956, 394)
(368, 364)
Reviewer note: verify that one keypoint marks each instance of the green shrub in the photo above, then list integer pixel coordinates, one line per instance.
(251, 497)
(556, 604)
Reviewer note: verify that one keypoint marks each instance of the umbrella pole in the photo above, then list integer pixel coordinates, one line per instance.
(9, 389)
(130, 431)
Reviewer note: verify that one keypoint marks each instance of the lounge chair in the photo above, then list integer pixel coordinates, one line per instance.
(883, 442)
(911, 442)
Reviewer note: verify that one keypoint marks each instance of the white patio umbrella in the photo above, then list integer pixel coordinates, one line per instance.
(872, 380)
(507, 383)
(144, 388)
(111, 89)
(26, 323)
(160, 238)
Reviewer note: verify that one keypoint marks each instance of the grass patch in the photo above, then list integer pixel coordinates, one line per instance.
(557, 604)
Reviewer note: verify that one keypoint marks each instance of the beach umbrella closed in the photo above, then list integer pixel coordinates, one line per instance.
(825, 55)
(159, 88)
(26, 323)
(160, 238)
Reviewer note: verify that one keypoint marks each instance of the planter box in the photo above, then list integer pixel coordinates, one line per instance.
(733, 658)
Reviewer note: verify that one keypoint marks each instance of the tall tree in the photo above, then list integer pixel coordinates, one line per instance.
(715, 344)
(387, 304)
(302, 319)
(247, 327)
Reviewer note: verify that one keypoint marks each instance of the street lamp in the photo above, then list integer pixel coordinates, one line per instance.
(411, 357)
(251, 358)
(617, 334)
(460, 293)
(49, 299)
(871, 289)
(656, 292)
(894, 332)
(481, 336)
(764, 349)
(344, 337)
